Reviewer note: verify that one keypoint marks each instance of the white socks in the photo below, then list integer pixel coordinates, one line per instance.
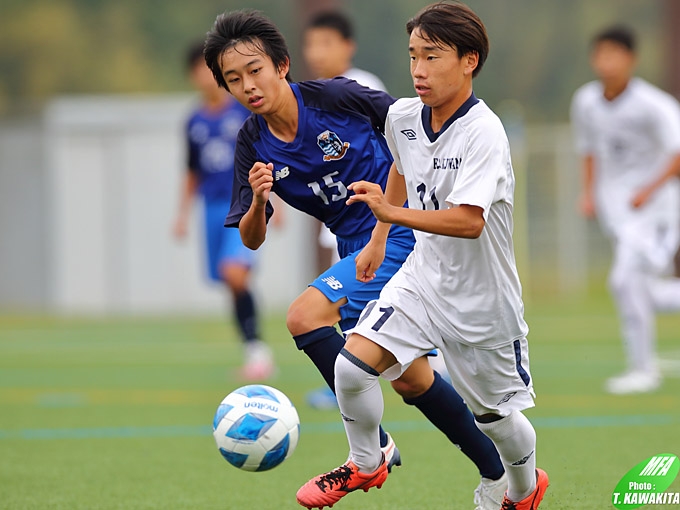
(515, 440)
(360, 400)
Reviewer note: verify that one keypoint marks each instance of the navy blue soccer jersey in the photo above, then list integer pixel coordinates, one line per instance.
(339, 140)
(211, 136)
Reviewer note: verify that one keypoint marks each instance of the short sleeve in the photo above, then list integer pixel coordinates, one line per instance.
(484, 167)
(392, 144)
(580, 125)
(242, 194)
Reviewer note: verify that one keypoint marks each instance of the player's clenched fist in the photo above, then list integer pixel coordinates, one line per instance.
(261, 179)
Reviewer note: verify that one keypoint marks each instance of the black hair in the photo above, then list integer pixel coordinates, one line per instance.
(618, 34)
(456, 25)
(244, 26)
(334, 20)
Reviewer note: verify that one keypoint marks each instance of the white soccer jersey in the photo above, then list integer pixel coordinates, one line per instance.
(631, 139)
(471, 286)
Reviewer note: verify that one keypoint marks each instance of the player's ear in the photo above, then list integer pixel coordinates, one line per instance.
(351, 47)
(470, 60)
(284, 67)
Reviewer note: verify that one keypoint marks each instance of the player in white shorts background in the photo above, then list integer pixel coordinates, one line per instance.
(458, 291)
(627, 133)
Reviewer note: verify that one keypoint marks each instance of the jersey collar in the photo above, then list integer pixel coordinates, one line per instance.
(426, 116)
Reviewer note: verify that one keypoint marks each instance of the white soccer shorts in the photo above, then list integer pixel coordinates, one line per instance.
(493, 380)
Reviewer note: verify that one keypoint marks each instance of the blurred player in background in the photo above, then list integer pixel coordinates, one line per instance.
(211, 133)
(306, 142)
(627, 132)
(328, 49)
(458, 291)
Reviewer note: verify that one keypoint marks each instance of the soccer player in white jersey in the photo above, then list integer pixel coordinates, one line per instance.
(458, 291)
(627, 133)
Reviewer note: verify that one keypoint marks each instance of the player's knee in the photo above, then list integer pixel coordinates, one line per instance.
(302, 317)
(351, 378)
(311, 310)
(296, 319)
(410, 388)
(624, 282)
(236, 277)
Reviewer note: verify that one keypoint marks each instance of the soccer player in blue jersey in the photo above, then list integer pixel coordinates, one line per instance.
(211, 133)
(306, 142)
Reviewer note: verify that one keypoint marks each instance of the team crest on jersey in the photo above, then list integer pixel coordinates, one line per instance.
(332, 146)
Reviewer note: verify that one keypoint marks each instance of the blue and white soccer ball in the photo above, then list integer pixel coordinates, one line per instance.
(256, 427)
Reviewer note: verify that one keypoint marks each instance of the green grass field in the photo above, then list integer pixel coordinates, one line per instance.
(116, 414)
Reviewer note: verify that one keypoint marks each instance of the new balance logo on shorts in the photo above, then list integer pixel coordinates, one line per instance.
(332, 282)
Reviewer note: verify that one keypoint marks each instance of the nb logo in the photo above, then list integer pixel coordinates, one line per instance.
(332, 282)
(409, 134)
(282, 174)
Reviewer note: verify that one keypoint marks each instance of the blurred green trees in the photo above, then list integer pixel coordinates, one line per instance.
(538, 47)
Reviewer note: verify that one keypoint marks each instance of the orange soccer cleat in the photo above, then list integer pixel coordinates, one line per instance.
(532, 501)
(327, 489)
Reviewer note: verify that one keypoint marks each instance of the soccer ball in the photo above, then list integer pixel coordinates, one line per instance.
(256, 427)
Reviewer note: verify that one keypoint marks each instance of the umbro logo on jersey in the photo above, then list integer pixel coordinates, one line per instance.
(332, 146)
(446, 163)
(409, 134)
(281, 174)
(332, 282)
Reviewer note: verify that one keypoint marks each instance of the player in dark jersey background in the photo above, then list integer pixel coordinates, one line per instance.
(211, 132)
(307, 142)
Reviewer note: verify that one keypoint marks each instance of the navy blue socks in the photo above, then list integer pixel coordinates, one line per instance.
(447, 411)
(246, 316)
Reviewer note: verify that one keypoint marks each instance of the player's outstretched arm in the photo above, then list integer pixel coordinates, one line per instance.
(253, 224)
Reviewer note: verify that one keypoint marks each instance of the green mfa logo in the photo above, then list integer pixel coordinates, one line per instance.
(647, 482)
